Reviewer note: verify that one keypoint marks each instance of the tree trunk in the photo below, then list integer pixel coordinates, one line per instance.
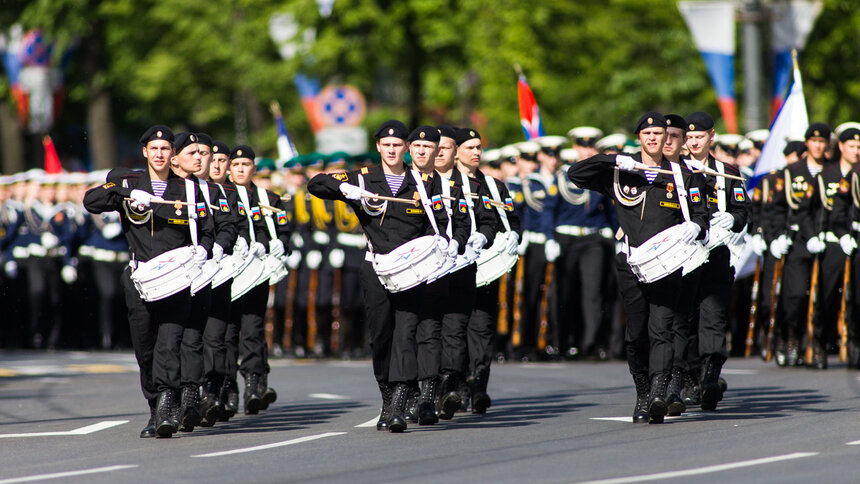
(11, 140)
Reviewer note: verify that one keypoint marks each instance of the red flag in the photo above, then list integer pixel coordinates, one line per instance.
(529, 113)
(52, 161)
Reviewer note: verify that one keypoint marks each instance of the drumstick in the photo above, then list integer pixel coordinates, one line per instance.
(270, 208)
(644, 167)
(166, 202)
(716, 173)
(391, 199)
(472, 195)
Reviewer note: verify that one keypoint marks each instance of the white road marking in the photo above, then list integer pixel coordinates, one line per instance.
(629, 419)
(729, 371)
(271, 446)
(369, 423)
(328, 396)
(81, 431)
(57, 475)
(856, 442)
(703, 470)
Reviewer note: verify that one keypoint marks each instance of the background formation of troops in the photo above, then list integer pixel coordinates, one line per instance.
(60, 265)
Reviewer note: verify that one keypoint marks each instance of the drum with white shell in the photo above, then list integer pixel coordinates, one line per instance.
(409, 264)
(665, 253)
(495, 261)
(166, 274)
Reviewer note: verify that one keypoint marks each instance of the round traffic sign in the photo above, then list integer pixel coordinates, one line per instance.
(341, 106)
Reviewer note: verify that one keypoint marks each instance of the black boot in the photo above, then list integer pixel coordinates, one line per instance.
(427, 403)
(253, 400)
(230, 398)
(691, 393)
(819, 357)
(386, 389)
(411, 412)
(643, 386)
(189, 415)
(165, 425)
(673, 393)
(794, 358)
(268, 395)
(149, 431)
(480, 400)
(450, 400)
(465, 390)
(211, 407)
(396, 422)
(657, 406)
(711, 392)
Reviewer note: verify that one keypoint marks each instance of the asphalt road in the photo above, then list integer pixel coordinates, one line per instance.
(76, 416)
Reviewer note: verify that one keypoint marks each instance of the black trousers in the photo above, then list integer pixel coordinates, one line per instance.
(280, 309)
(683, 339)
(192, 337)
(43, 291)
(352, 320)
(832, 270)
(579, 277)
(481, 328)
(215, 333)
(709, 318)
(650, 309)
(533, 280)
(455, 322)
(794, 297)
(113, 326)
(762, 319)
(156, 334)
(393, 321)
(247, 314)
(429, 332)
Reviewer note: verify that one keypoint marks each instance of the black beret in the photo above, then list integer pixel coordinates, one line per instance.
(204, 139)
(425, 133)
(159, 131)
(650, 119)
(220, 147)
(393, 128)
(446, 131)
(242, 151)
(184, 139)
(819, 130)
(465, 134)
(794, 147)
(849, 134)
(676, 121)
(699, 121)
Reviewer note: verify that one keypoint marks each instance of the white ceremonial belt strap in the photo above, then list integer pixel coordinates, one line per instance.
(352, 240)
(534, 237)
(607, 232)
(103, 255)
(575, 230)
(831, 237)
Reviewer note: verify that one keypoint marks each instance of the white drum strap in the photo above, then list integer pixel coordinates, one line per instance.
(425, 201)
(270, 224)
(467, 191)
(682, 190)
(494, 191)
(204, 187)
(243, 197)
(720, 185)
(190, 198)
(446, 201)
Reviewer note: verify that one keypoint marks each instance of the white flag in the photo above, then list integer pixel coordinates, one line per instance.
(790, 124)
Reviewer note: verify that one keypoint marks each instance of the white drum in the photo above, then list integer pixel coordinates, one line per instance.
(166, 274)
(718, 236)
(664, 254)
(248, 277)
(276, 268)
(207, 273)
(228, 267)
(495, 260)
(410, 264)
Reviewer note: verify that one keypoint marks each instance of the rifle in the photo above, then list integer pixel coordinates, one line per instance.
(312, 318)
(335, 313)
(810, 311)
(291, 291)
(774, 305)
(842, 328)
(753, 309)
(518, 290)
(544, 307)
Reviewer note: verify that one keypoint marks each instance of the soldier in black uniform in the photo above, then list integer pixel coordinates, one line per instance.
(393, 317)
(248, 312)
(646, 204)
(152, 229)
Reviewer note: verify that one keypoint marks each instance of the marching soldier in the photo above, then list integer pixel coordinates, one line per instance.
(646, 204)
(152, 229)
(585, 140)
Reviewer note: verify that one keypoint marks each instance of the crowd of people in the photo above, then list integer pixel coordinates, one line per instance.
(569, 212)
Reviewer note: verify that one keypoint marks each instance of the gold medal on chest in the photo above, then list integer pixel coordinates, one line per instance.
(178, 207)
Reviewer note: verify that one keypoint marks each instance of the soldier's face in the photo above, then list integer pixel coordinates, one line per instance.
(205, 161)
(699, 142)
(469, 153)
(219, 167)
(548, 161)
(815, 147)
(652, 140)
(445, 153)
(391, 150)
(158, 153)
(585, 151)
(508, 169)
(674, 142)
(423, 154)
(850, 150)
(188, 160)
(241, 171)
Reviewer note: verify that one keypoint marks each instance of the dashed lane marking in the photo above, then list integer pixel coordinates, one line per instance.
(369, 423)
(271, 446)
(328, 396)
(89, 429)
(629, 419)
(58, 475)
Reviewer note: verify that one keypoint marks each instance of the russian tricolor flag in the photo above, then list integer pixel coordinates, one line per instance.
(529, 113)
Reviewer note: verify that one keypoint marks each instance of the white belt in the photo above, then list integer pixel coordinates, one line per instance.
(103, 255)
(20, 252)
(352, 240)
(574, 230)
(831, 237)
(36, 250)
(607, 233)
(534, 237)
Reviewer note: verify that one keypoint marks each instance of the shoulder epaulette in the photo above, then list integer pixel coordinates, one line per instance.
(365, 170)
